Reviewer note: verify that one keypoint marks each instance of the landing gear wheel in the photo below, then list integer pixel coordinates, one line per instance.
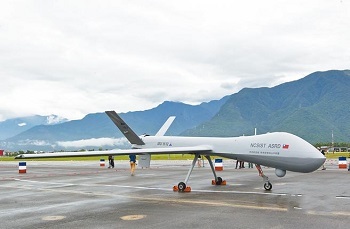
(181, 186)
(268, 186)
(219, 181)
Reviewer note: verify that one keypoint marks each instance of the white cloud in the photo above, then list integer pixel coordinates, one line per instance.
(32, 142)
(114, 142)
(54, 119)
(71, 58)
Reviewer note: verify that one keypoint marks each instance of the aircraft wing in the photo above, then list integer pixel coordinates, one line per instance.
(170, 150)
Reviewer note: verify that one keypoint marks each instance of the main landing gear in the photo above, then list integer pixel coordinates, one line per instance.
(181, 187)
(267, 184)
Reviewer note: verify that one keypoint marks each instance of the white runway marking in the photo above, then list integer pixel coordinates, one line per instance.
(151, 188)
(169, 200)
(147, 175)
(53, 218)
(343, 197)
(172, 200)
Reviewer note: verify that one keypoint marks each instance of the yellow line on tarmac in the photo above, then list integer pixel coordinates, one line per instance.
(323, 213)
(177, 201)
(212, 203)
(180, 201)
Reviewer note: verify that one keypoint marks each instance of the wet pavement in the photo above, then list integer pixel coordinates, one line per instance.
(85, 195)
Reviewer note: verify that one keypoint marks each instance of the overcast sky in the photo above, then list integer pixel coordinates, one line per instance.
(72, 58)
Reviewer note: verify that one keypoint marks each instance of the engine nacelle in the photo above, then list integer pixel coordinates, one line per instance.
(280, 172)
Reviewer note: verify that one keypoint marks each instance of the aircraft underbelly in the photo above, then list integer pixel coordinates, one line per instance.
(304, 165)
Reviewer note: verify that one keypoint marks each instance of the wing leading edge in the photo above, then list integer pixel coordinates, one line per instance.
(171, 150)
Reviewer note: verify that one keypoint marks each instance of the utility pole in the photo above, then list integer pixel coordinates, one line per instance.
(332, 141)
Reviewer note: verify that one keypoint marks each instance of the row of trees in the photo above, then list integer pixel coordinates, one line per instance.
(8, 153)
(341, 144)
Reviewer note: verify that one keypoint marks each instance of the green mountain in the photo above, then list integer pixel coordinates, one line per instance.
(44, 137)
(14, 126)
(311, 108)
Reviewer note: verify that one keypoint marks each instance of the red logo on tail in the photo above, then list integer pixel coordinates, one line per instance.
(285, 146)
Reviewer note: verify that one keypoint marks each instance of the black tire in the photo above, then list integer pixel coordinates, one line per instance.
(268, 186)
(181, 186)
(219, 181)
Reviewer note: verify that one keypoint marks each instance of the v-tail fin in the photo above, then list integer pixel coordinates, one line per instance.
(165, 126)
(124, 128)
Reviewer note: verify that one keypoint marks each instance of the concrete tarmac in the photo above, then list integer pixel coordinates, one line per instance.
(85, 195)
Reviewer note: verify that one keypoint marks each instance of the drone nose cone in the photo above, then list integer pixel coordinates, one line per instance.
(320, 161)
(316, 161)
